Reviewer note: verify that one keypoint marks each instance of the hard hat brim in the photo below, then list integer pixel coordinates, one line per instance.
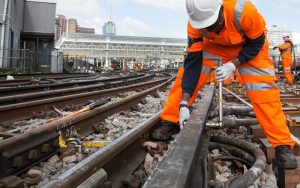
(205, 23)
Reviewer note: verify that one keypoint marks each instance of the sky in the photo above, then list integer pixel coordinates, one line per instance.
(164, 18)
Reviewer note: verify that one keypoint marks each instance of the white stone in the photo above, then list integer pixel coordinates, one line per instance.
(223, 177)
(53, 159)
(70, 159)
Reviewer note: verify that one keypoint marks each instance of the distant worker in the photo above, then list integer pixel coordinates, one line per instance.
(233, 31)
(286, 58)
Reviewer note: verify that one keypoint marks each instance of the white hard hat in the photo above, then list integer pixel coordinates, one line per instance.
(203, 13)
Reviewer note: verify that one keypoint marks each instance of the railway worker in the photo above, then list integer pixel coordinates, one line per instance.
(286, 58)
(234, 31)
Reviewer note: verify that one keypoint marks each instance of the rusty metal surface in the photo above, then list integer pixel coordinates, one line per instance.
(13, 99)
(16, 158)
(13, 150)
(175, 170)
(24, 79)
(15, 112)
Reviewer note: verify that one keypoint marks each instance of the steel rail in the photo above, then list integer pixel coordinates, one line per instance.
(21, 111)
(9, 91)
(60, 92)
(24, 80)
(182, 166)
(15, 151)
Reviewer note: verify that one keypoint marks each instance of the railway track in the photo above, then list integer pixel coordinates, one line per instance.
(27, 79)
(24, 110)
(188, 162)
(63, 84)
(18, 152)
(110, 83)
(184, 165)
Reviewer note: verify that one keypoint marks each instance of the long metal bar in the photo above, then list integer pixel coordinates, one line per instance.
(24, 110)
(239, 98)
(176, 169)
(67, 91)
(9, 91)
(220, 100)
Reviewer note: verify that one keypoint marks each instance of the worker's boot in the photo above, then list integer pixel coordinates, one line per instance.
(165, 131)
(285, 158)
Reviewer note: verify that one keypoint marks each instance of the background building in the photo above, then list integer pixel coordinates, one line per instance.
(297, 54)
(85, 30)
(123, 51)
(26, 33)
(65, 26)
(60, 25)
(71, 25)
(109, 28)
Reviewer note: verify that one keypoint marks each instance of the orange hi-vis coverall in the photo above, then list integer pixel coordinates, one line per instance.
(287, 60)
(242, 22)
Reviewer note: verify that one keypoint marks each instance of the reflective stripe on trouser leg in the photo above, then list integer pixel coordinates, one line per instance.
(265, 98)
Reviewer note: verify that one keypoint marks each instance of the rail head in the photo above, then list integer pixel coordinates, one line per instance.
(175, 168)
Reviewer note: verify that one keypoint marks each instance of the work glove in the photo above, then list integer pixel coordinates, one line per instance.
(224, 71)
(184, 113)
(275, 48)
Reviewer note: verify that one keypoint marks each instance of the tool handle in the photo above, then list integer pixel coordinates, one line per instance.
(220, 99)
(99, 103)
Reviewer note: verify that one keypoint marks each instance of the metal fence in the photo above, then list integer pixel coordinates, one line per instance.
(17, 60)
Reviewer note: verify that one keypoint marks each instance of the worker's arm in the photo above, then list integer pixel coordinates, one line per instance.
(192, 63)
(253, 25)
(251, 48)
(284, 46)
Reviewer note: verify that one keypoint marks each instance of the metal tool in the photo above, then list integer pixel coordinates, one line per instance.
(218, 124)
(220, 99)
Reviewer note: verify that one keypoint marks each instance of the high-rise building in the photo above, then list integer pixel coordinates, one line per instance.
(60, 26)
(109, 28)
(65, 25)
(72, 25)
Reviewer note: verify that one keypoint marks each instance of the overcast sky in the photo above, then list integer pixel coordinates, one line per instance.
(164, 18)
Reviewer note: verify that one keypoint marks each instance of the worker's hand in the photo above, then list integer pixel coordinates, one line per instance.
(275, 48)
(224, 71)
(184, 113)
